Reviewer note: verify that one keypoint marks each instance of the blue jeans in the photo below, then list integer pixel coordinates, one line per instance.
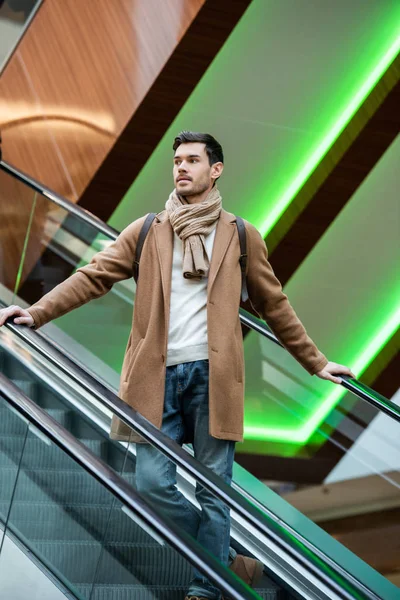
(186, 416)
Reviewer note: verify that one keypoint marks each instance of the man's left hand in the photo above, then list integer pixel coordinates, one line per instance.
(331, 369)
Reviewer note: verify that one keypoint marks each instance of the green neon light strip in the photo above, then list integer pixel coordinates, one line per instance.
(305, 431)
(311, 163)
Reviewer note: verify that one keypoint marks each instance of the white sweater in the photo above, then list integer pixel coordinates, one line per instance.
(187, 334)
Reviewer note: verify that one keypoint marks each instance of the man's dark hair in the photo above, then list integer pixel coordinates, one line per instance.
(213, 148)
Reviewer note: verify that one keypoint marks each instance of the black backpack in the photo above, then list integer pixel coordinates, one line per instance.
(242, 258)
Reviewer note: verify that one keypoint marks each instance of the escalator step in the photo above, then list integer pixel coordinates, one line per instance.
(64, 487)
(146, 565)
(61, 416)
(120, 563)
(11, 424)
(74, 522)
(150, 592)
(132, 592)
(39, 455)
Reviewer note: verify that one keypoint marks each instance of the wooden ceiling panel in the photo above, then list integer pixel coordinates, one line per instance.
(77, 77)
(186, 65)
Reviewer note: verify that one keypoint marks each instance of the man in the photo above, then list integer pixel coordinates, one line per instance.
(183, 366)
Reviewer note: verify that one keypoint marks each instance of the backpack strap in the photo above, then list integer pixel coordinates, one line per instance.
(242, 259)
(243, 256)
(139, 246)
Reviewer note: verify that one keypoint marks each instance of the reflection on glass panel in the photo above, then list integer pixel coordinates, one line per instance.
(16, 205)
(15, 16)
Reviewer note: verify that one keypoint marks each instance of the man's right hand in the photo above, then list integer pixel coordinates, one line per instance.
(22, 316)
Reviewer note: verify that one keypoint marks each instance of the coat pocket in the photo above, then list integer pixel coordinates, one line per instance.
(132, 359)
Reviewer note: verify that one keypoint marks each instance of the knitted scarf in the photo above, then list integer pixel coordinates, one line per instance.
(191, 223)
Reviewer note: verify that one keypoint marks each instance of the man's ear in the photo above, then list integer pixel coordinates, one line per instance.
(216, 170)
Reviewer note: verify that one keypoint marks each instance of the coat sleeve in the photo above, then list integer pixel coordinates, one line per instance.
(92, 280)
(269, 301)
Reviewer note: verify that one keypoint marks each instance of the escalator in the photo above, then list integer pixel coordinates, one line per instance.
(301, 561)
(85, 526)
(61, 515)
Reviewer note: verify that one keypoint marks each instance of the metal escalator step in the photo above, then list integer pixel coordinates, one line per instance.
(119, 564)
(10, 422)
(6, 462)
(133, 592)
(135, 565)
(61, 416)
(269, 590)
(63, 487)
(8, 477)
(74, 522)
(38, 454)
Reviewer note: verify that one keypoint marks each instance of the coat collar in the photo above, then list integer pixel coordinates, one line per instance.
(164, 235)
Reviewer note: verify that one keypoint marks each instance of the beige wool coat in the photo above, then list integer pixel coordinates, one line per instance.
(143, 371)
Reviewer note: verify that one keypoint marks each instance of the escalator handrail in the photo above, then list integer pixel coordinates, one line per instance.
(67, 205)
(272, 526)
(124, 492)
(354, 386)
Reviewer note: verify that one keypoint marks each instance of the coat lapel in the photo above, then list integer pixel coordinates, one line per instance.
(223, 235)
(164, 235)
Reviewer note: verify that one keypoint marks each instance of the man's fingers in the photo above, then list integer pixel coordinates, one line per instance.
(347, 372)
(342, 370)
(332, 378)
(8, 312)
(5, 314)
(22, 320)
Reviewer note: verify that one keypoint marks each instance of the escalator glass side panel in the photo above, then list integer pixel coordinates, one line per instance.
(342, 471)
(81, 534)
(78, 413)
(59, 512)
(45, 244)
(14, 430)
(17, 202)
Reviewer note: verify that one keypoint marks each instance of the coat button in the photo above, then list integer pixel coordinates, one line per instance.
(214, 349)
(162, 357)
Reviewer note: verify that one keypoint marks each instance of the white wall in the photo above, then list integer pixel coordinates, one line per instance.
(21, 579)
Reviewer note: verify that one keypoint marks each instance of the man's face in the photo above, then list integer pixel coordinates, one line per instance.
(192, 172)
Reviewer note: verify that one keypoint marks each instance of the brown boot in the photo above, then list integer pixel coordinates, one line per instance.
(248, 569)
